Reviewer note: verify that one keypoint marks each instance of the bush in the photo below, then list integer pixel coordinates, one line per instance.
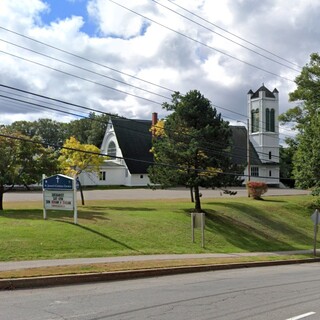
(256, 189)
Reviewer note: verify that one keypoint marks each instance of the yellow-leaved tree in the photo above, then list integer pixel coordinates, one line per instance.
(76, 157)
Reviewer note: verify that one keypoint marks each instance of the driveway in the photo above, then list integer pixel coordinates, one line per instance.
(147, 194)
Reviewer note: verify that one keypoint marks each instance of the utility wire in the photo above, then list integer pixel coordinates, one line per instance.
(219, 34)
(84, 59)
(234, 35)
(79, 77)
(242, 115)
(85, 69)
(200, 42)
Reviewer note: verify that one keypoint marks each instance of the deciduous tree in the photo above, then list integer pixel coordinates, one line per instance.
(306, 117)
(23, 161)
(76, 157)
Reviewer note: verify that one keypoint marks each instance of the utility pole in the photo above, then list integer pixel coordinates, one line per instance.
(248, 152)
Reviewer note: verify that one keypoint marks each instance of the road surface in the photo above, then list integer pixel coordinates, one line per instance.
(277, 293)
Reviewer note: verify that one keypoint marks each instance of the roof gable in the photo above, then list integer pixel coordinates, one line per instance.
(135, 141)
(239, 147)
(268, 93)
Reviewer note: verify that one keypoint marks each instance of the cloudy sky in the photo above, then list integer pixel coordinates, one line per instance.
(127, 57)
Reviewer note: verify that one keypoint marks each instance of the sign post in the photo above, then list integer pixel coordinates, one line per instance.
(198, 221)
(59, 193)
(316, 220)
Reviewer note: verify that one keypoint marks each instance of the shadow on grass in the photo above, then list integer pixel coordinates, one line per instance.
(269, 200)
(256, 231)
(260, 217)
(37, 214)
(120, 208)
(99, 234)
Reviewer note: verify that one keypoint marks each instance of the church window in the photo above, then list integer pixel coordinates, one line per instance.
(102, 176)
(112, 149)
(255, 120)
(270, 155)
(270, 126)
(267, 119)
(254, 171)
(270, 173)
(272, 121)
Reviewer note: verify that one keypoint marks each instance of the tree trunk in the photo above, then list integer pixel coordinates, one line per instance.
(197, 199)
(81, 192)
(1, 197)
(191, 194)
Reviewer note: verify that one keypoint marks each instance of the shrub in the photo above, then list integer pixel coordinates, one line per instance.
(256, 189)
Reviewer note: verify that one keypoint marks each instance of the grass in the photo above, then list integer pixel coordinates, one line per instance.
(135, 265)
(114, 228)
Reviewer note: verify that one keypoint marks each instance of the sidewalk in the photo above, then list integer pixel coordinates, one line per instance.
(18, 265)
(68, 279)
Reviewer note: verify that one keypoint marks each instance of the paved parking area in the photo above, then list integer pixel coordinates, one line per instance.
(136, 194)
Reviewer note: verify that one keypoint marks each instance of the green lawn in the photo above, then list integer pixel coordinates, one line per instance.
(109, 228)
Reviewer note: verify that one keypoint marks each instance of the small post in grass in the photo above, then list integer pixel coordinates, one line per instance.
(198, 221)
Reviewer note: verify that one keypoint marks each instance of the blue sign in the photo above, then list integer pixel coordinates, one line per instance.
(58, 182)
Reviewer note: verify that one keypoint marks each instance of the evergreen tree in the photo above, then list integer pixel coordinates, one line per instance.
(191, 146)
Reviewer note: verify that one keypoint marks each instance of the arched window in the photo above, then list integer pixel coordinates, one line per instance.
(112, 149)
(270, 155)
(267, 119)
(270, 122)
(255, 120)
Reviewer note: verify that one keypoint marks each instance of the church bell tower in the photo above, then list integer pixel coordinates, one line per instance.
(263, 112)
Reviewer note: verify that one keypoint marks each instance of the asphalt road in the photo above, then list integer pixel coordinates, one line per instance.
(134, 194)
(278, 293)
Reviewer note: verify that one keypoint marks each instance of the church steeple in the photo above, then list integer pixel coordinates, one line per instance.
(263, 111)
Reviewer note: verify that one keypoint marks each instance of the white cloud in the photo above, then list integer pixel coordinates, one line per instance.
(132, 44)
(116, 21)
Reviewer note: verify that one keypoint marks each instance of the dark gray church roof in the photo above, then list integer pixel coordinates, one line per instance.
(239, 147)
(135, 141)
(268, 93)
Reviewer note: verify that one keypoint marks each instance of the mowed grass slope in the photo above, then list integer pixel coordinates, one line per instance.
(111, 228)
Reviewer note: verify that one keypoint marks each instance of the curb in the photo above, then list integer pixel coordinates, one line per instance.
(60, 280)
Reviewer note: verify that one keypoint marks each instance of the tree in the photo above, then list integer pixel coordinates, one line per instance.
(50, 132)
(89, 130)
(76, 157)
(191, 146)
(23, 161)
(286, 162)
(306, 117)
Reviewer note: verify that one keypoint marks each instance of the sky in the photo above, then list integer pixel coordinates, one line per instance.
(128, 57)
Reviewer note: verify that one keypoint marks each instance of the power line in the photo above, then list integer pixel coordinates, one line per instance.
(226, 109)
(79, 77)
(234, 35)
(200, 42)
(85, 69)
(219, 34)
(85, 59)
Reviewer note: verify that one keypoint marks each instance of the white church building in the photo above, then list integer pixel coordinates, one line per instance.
(128, 142)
